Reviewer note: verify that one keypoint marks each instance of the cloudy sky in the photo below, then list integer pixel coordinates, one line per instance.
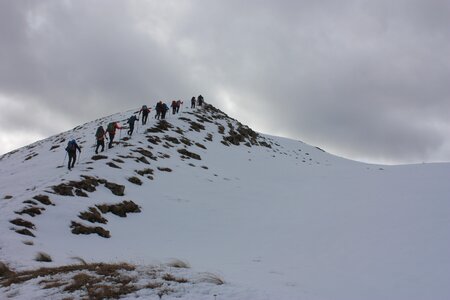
(367, 80)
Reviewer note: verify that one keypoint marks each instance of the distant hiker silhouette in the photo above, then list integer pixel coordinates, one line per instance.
(131, 121)
(100, 136)
(164, 110)
(159, 109)
(145, 111)
(174, 106)
(179, 102)
(111, 129)
(193, 102)
(71, 149)
(200, 100)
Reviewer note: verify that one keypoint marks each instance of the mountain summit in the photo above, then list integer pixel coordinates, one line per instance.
(273, 217)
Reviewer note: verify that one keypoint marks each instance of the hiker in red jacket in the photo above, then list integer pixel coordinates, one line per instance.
(111, 129)
(100, 136)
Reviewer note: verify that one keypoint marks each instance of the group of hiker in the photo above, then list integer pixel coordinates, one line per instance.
(101, 134)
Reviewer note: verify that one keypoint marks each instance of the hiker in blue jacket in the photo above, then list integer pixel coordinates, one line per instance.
(131, 121)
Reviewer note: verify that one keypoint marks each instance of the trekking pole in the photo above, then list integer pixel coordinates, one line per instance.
(79, 157)
(64, 159)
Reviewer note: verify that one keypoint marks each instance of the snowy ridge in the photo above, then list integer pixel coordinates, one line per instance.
(276, 218)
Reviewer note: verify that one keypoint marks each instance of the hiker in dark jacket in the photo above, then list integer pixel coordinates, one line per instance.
(145, 111)
(111, 129)
(193, 102)
(200, 100)
(174, 107)
(159, 109)
(164, 110)
(71, 149)
(131, 121)
(100, 135)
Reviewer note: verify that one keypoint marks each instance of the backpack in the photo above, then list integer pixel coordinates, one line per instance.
(100, 132)
(111, 127)
(71, 146)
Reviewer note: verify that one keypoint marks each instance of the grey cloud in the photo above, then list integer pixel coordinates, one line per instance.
(361, 78)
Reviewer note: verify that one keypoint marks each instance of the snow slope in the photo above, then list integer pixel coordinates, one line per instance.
(276, 218)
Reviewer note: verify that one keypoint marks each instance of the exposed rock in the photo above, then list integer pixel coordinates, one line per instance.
(97, 157)
(135, 180)
(116, 189)
(187, 153)
(145, 172)
(25, 231)
(113, 165)
(44, 199)
(23, 223)
(31, 211)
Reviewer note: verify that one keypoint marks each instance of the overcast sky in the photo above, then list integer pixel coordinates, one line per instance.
(367, 80)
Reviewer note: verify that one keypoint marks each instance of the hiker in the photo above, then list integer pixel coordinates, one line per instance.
(158, 109)
(131, 121)
(71, 149)
(100, 136)
(193, 102)
(111, 129)
(164, 110)
(200, 100)
(174, 107)
(179, 102)
(145, 111)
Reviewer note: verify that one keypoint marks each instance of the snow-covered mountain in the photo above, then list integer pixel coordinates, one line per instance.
(275, 218)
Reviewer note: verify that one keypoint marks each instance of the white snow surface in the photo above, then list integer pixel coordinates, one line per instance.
(286, 222)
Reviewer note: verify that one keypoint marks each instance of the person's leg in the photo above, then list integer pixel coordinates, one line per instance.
(111, 138)
(74, 159)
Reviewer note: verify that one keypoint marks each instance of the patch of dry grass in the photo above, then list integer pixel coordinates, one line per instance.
(78, 228)
(120, 209)
(42, 256)
(211, 278)
(177, 263)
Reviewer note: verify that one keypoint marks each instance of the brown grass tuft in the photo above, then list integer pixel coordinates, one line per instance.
(44, 257)
(78, 228)
(93, 216)
(170, 277)
(5, 271)
(120, 209)
(177, 263)
(211, 278)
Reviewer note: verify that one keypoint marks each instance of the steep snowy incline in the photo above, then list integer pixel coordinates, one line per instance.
(270, 214)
